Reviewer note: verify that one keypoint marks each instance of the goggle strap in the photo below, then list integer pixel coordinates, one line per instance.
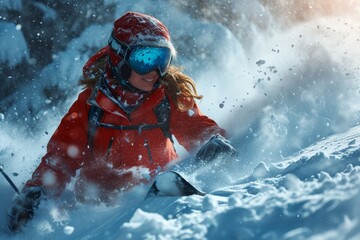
(120, 48)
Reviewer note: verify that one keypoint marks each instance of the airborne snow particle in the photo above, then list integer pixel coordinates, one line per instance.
(49, 178)
(74, 115)
(68, 230)
(73, 151)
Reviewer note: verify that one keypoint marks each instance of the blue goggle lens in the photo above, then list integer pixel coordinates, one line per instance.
(147, 59)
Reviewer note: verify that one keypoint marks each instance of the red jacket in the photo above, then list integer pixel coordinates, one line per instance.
(119, 158)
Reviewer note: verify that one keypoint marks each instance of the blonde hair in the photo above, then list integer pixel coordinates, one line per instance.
(180, 87)
(93, 74)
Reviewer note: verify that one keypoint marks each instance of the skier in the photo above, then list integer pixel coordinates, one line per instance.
(119, 132)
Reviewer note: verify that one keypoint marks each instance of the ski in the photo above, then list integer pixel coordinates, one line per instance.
(171, 183)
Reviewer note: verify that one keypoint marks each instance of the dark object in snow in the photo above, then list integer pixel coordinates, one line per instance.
(8, 179)
(260, 62)
(172, 184)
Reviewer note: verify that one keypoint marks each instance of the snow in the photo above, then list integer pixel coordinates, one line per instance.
(11, 4)
(289, 97)
(165, 184)
(16, 47)
(49, 13)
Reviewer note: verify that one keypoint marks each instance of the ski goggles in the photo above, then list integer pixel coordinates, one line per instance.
(147, 59)
(143, 59)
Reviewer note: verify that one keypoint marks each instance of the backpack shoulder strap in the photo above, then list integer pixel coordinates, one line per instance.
(162, 112)
(94, 117)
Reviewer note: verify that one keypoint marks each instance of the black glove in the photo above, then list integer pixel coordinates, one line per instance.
(215, 148)
(23, 208)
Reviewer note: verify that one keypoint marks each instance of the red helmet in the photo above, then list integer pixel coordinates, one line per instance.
(134, 29)
(131, 30)
(137, 29)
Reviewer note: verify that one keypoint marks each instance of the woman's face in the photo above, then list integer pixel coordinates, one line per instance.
(143, 82)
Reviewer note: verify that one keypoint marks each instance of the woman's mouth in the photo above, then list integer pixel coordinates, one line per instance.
(148, 79)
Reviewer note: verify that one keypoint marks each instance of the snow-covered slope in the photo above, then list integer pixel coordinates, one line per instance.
(311, 195)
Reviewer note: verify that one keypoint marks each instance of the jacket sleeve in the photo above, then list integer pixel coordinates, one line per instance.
(192, 129)
(66, 150)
